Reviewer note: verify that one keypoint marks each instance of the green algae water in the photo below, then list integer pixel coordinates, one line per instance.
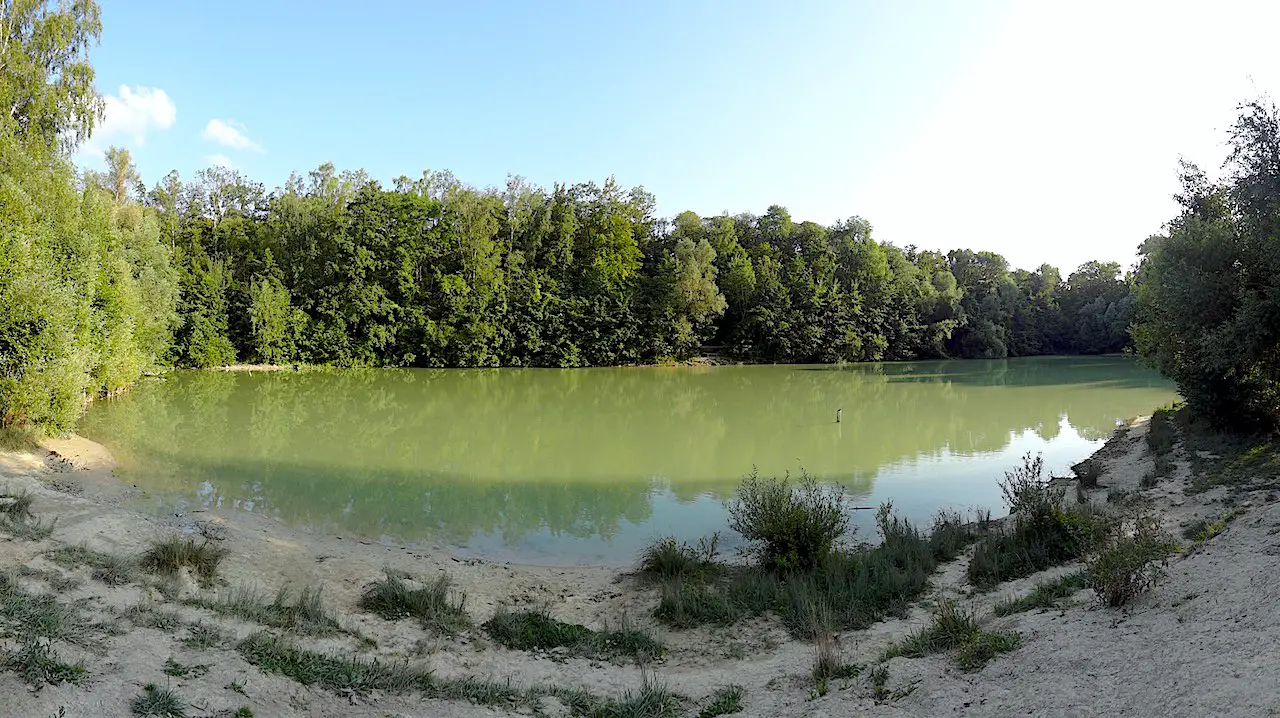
(588, 465)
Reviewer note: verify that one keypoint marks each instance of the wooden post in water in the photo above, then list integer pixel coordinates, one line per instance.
(838, 412)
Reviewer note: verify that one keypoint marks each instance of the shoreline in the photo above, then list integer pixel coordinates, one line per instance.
(1088, 651)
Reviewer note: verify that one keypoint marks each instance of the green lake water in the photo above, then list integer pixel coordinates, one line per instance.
(588, 465)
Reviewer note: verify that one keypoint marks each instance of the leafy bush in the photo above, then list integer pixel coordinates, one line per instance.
(1207, 293)
(1130, 563)
(790, 527)
(1040, 533)
(846, 589)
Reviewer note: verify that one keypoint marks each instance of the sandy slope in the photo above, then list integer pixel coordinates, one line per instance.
(1202, 643)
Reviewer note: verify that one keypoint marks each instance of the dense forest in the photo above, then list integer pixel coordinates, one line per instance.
(103, 279)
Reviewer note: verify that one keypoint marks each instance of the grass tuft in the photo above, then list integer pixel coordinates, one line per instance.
(29, 528)
(304, 614)
(1045, 595)
(38, 665)
(434, 605)
(667, 559)
(537, 630)
(17, 507)
(723, 702)
(107, 568)
(146, 614)
(25, 616)
(954, 629)
(156, 701)
(978, 649)
(55, 579)
(273, 655)
(180, 670)
(203, 636)
(170, 555)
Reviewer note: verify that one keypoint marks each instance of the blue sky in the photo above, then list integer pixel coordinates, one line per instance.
(1045, 133)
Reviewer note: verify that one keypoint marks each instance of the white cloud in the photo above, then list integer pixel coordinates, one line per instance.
(219, 160)
(128, 116)
(229, 133)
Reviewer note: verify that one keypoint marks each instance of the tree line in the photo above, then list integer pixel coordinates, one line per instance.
(103, 279)
(335, 268)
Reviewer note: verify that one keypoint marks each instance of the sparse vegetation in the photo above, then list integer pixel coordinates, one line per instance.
(725, 701)
(436, 605)
(1130, 562)
(25, 616)
(1041, 532)
(829, 665)
(173, 554)
(17, 507)
(37, 664)
(788, 526)
(305, 613)
(180, 670)
(204, 636)
(537, 630)
(17, 519)
(157, 701)
(108, 568)
(1088, 473)
(954, 629)
(847, 588)
(146, 614)
(1045, 595)
(351, 676)
(667, 559)
(55, 579)
(1240, 461)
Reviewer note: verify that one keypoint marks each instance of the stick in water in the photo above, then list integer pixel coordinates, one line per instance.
(838, 412)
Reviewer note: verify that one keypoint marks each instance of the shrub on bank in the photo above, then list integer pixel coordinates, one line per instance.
(1130, 562)
(789, 526)
(843, 589)
(1042, 530)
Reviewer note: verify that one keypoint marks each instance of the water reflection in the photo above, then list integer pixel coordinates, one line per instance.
(589, 464)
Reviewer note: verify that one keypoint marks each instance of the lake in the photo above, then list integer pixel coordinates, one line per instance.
(588, 465)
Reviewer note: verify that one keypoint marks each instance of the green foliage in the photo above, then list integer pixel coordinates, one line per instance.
(725, 701)
(1045, 595)
(1209, 290)
(107, 568)
(304, 614)
(38, 665)
(667, 558)
(536, 630)
(954, 629)
(789, 527)
(1041, 531)
(170, 555)
(434, 604)
(847, 589)
(1130, 562)
(157, 701)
